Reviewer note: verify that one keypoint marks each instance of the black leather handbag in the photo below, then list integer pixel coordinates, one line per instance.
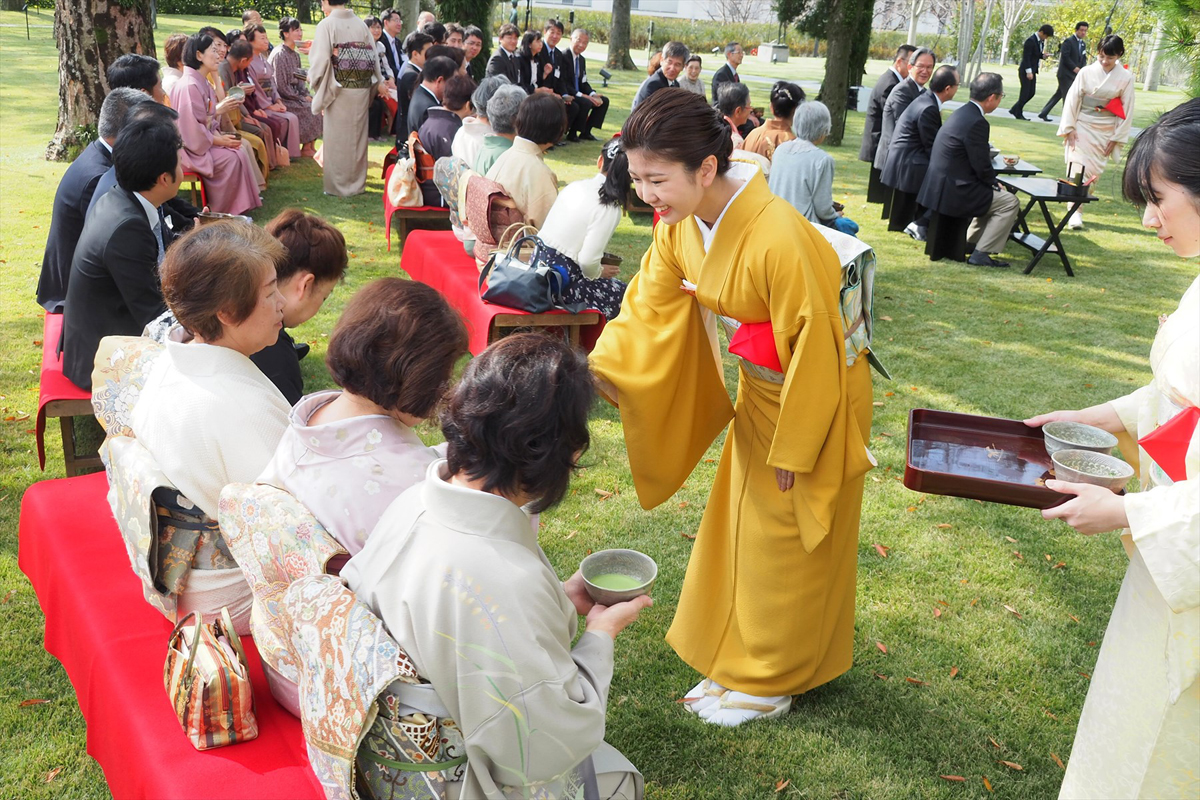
(506, 280)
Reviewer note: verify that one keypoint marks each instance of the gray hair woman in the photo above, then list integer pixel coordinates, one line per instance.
(502, 116)
(802, 173)
(469, 139)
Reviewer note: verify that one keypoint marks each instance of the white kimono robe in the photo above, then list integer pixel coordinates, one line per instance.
(1095, 129)
(460, 582)
(1139, 733)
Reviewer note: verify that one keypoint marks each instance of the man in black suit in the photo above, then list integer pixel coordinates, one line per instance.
(408, 79)
(920, 68)
(873, 125)
(912, 141)
(674, 56)
(1032, 54)
(114, 288)
(473, 46)
(550, 54)
(73, 195)
(158, 113)
(587, 108)
(429, 94)
(393, 45)
(504, 60)
(961, 182)
(728, 70)
(1072, 57)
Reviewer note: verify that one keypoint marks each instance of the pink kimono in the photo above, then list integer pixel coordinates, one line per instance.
(263, 74)
(228, 174)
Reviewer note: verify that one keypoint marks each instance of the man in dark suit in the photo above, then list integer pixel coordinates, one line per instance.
(504, 60)
(145, 111)
(73, 195)
(114, 288)
(587, 109)
(1032, 54)
(428, 95)
(550, 54)
(1072, 57)
(408, 79)
(674, 55)
(961, 182)
(393, 45)
(920, 68)
(873, 125)
(728, 70)
(912, 141)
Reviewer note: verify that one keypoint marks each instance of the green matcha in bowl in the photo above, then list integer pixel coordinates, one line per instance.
(615, 576)
(1085, 466)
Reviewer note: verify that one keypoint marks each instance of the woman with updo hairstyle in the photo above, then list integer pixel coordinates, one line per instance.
(780, 531)
(173, 54)
(785, 99)
(455, 568)
(1139, 731)
(348, 454)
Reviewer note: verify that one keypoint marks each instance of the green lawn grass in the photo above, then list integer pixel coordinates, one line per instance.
(957, 338)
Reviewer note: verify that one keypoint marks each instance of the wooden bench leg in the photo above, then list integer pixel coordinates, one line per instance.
(67, 426)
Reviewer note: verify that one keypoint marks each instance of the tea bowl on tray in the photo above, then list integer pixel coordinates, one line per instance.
(1086, 466)
(1064, 435)
(615, 576)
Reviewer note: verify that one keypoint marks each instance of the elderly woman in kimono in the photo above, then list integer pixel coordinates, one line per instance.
(1139, 732)
(291, 86)
(456, 574)
(767, 606)
(343, 72)
(229, 174)
(1097, 114)
(263, 76)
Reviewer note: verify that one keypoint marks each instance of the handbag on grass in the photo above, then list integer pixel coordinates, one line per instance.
(535, 287)
(208, 683)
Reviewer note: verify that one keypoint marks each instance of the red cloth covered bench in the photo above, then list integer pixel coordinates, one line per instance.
(112, 645)
(432, 217)
(58, 397)
(437, 258)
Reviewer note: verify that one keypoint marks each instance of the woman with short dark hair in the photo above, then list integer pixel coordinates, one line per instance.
(347, 455)
(782, 515)
(454, 567)
(291, 84)
(541, 122)
(173, 53)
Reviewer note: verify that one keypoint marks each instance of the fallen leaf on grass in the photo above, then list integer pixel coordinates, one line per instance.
(8, 596)
(1011, 765)
(687, 535)
(1072, 616)
(915, 681)
(52, 774)
(883, 551)
(878, 404)
(687, 699)
(880, 675)
(1013, 611)
(943, 602)
(986, 783)
(710, 461)
(882, 647)
(571, 535)
(937, 612)
(1048, 714)
(780, 785)
(885, 434)
(953, 671)
(974, 602)
(1010, 540)
(25, 703)
(1057, 760)
(684, 504)
(1017, 553)
(911, 508)
(995, 744)
(1084, 674)
(944, 525)
(1059, 565)
(886, 319)
(889, 394)
(956, 778)
(603, 494)
(1049, 557)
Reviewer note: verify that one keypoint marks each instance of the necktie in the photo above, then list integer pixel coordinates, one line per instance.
(162, 251)
(577, 71)
(736, 79)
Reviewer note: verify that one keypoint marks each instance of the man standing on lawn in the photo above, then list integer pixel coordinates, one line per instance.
(898, 71)
(1072, 57)
(1032, 55)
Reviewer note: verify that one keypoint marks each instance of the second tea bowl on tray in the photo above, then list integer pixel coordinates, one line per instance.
(1077, 436)
(1086, 466)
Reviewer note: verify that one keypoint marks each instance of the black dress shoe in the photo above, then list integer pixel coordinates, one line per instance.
(587, 137)
(572, 137)
(1043, 118)
(302, 349)
(981, 259)
(1017, 115)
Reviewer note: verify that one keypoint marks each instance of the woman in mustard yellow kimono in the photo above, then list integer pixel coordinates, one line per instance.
(767, 606)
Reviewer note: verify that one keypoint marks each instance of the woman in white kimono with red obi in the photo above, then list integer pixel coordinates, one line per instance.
(1139, 732)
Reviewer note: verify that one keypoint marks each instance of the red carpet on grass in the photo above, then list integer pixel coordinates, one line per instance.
(113, 645)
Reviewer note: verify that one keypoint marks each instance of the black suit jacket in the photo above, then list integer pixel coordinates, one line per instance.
(874, 122)
(501, 63)
(901, 98)
(650, 86)
(1072, 55)
(418, 109)
(114, 289)
(568, 73)
(1031, 54)
(960, 178)
(555, 58)
(724, 75)
(394, 62)
(525, 68)
(71, 201)
(911, 144)
(407, 81)
(181, 214)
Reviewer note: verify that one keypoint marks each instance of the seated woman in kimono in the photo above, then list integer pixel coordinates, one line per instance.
(348, 454)
(207, 417)
(453, 565)
(521, 170)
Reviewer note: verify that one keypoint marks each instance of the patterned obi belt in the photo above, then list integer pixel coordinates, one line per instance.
(354, 65)
(186, 539)
(749, 367)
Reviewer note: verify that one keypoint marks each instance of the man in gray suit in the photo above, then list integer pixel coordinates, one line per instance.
(920, 68)
(1072, 57)
(873, 124)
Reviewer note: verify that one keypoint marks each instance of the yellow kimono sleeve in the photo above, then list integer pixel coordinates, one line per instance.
(658, 355)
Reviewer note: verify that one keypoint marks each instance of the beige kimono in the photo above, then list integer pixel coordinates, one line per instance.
(1139, 733)
(1093, 128)
(343, 71)
(460, 582)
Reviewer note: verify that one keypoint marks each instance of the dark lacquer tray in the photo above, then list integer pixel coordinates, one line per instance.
(983, 458)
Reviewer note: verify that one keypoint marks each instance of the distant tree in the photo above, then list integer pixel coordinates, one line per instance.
(470, 12)
(1181, 35)
(618, 36)
(304, 11)
(1014, 13)
(843, 23)
(91, 34)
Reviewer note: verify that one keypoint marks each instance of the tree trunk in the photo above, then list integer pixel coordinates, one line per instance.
(11, 5)
(966, 37)
(91, 35)
(304, 11)
(1004, 42)
(842, 15)
(1154, 68)
(977, 62)
(410, 10)
(915, 9)
(618, 36)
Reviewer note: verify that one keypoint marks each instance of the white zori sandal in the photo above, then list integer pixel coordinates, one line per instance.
(734, 708)
(704, 694)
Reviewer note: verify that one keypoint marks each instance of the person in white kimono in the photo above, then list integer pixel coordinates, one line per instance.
(1092, 129)
(456, 574)
(343, 72)
(1139, 732)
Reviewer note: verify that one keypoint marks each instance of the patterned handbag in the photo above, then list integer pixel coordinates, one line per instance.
(208, 683)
